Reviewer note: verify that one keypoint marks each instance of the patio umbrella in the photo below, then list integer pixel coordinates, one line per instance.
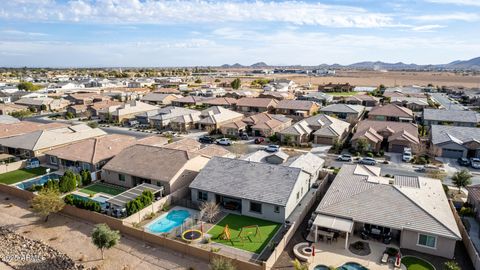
(313, 251)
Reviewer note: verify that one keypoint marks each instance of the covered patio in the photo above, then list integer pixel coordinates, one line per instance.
(330, 228)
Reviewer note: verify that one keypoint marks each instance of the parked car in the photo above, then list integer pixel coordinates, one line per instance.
(244, 136)
(206, 139)
(475, 163)
(224, 141)
(429, 168)
(272, 148)
(407, 155)
(259, 140)
(345, 157)
(463, 161)
(367, 161)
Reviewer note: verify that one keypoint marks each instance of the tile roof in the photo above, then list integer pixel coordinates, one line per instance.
(391, 110)
(442, 134)
(214, 151)
(398, 130)
(23, 127)
(186, 144)
(217, 114)
(355, 194)
(248, 180)
(256, 102)
(343, 108)
(447, 115)
(303, 105)
(221, 101)
(158, 97)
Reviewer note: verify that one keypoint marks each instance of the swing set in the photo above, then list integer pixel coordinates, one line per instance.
(244, 233)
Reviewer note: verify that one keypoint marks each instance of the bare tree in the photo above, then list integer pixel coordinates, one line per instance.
(208, 211)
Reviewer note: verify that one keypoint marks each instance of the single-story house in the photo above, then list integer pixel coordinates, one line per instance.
(448, 117)
(189, 101)
(336, 87)
(90, 154)
(104, 109)
(391, 112)
(318, 97)
(164, 116)
(412, 103)
(297, 108)
(277, 95)
(24, 127)
(395, 136)
(11, 108)
(256, 105)
(36, 143)
(130, 109)
(347, 112)
(160, 99)
(170, 168)
(79, 110)
(409, 210)
(321, 128)
(455, 142)
(245, 187)
(225, 102)
(86, 98)
(365, 100)
(261, 124)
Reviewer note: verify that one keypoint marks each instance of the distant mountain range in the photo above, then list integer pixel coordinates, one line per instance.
(472, 64)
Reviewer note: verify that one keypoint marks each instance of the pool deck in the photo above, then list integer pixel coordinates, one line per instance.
(191, 211)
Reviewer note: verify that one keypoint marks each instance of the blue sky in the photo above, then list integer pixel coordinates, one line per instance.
(102, 33)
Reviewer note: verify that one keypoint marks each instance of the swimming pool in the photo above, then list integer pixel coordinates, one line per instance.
(352, 266)
(38, 180)
(321, 267)
(169, 221)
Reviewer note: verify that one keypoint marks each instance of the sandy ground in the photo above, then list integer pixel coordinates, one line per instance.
(72, 237)
(375, 78)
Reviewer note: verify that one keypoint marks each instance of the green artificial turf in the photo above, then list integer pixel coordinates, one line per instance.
(414, 263)
(20, 175)
(342, 94)
(103, 188)
(249, 241)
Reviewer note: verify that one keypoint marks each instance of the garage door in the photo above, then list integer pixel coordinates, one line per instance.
(397, 148)
(452, 153)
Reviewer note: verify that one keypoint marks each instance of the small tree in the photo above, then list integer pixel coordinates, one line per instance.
(69, 115)
(198, 80)
(362, 145)
(451, 265)
(208, 211)
(235, 84)
(461, 179)
(297, 265)
(47, 201)
(104, 238)
(221, 263)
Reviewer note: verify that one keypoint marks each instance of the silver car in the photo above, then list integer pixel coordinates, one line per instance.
(368, 161)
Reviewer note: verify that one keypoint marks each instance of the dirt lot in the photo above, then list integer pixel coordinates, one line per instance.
(375, 78)
(72, 237)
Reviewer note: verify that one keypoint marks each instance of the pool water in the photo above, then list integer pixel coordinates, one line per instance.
(38, 180)
(321, 267)
(352, 266)
(168, 222)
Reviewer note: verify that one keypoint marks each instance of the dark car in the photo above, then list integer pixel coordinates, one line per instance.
(206, 139)
(244, 136)
(259, 140)
(463, 161)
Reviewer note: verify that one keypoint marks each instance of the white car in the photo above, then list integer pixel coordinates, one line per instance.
(272, 148)
(407, 156)
(475, 163)
(224, 141)
(368, 161)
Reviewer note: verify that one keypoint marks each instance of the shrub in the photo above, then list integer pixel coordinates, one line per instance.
(357, 154)
(382, 153)
(370, 154)
(466, 212)
(86, 178)
(68, 182)
(137, 204)
(82, 204)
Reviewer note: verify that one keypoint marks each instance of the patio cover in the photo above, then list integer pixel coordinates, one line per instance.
(121, 199)
(335, 223)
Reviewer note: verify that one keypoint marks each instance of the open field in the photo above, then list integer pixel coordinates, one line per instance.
(375, 78)
(20, 175)
(250, 239)
(103, 188)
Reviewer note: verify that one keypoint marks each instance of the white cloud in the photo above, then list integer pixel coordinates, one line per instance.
(456, 16)
(22, 33)
(182, 11)
(457, 2)
(427, 28)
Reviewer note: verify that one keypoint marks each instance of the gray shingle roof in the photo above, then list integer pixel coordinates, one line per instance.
(447, 115)
(343, 108)
(254, 181)
(442, 134)
(356, 192)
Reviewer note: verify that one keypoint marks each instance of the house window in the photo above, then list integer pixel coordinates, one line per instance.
(276, 209)
(427, 241)
(53, 160)
(298, 195)
(255, 207)
(202, 196)
(121, 178)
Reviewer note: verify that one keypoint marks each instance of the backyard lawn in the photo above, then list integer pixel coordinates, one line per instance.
(414, 263)
(343, 94)
(250, 239)
(20, 175)
(103, 188)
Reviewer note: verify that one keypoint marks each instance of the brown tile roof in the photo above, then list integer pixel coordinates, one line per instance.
(150, 162)
(191, 99)
(186, 144)
(303, 105)
(153, 140)
(221, 101)
(257, 102)
(94, 150)
(400, 131)
(213, 151)
(167, 91)
(105, 104)
(10, 130)
(391, 110)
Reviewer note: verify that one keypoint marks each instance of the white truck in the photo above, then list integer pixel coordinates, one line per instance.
(407, 155)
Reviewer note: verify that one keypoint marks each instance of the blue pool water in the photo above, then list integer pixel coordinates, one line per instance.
(165, 224)
(321, 267)
(38, 181)
(352, 266)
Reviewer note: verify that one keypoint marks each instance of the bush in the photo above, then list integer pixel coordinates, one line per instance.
(137, 204)
(357, 154)
(82, 204)
(466, 212)
(370, 154)
(382, 153)
(86, 178)
(68, 182)
(273, 138)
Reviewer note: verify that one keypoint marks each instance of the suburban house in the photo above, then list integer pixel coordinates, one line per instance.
(453, 118)
(24, 127)
(144, 118)
(474, 199)
(166, 90)
(104, 109)
(409, 211)
(318, 97)
(171, 169)
(36, 143)
(386, 135)
(86, 98)
(164, 116)
(391, 112)
(189, 101)
(455, 142)
(256, 105)
(37, 104)
(336, 87)
(129, 110)
(225, 102)
(11, 108)
(90, 154)
(245, 187)
(297, 108)
(365, 100)
(212, 118)
(261, 124)
(7, 119)
(160, 99)
(321, 128)
(412, 103)
(80, 110)
(277, 95)
(347, 112)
